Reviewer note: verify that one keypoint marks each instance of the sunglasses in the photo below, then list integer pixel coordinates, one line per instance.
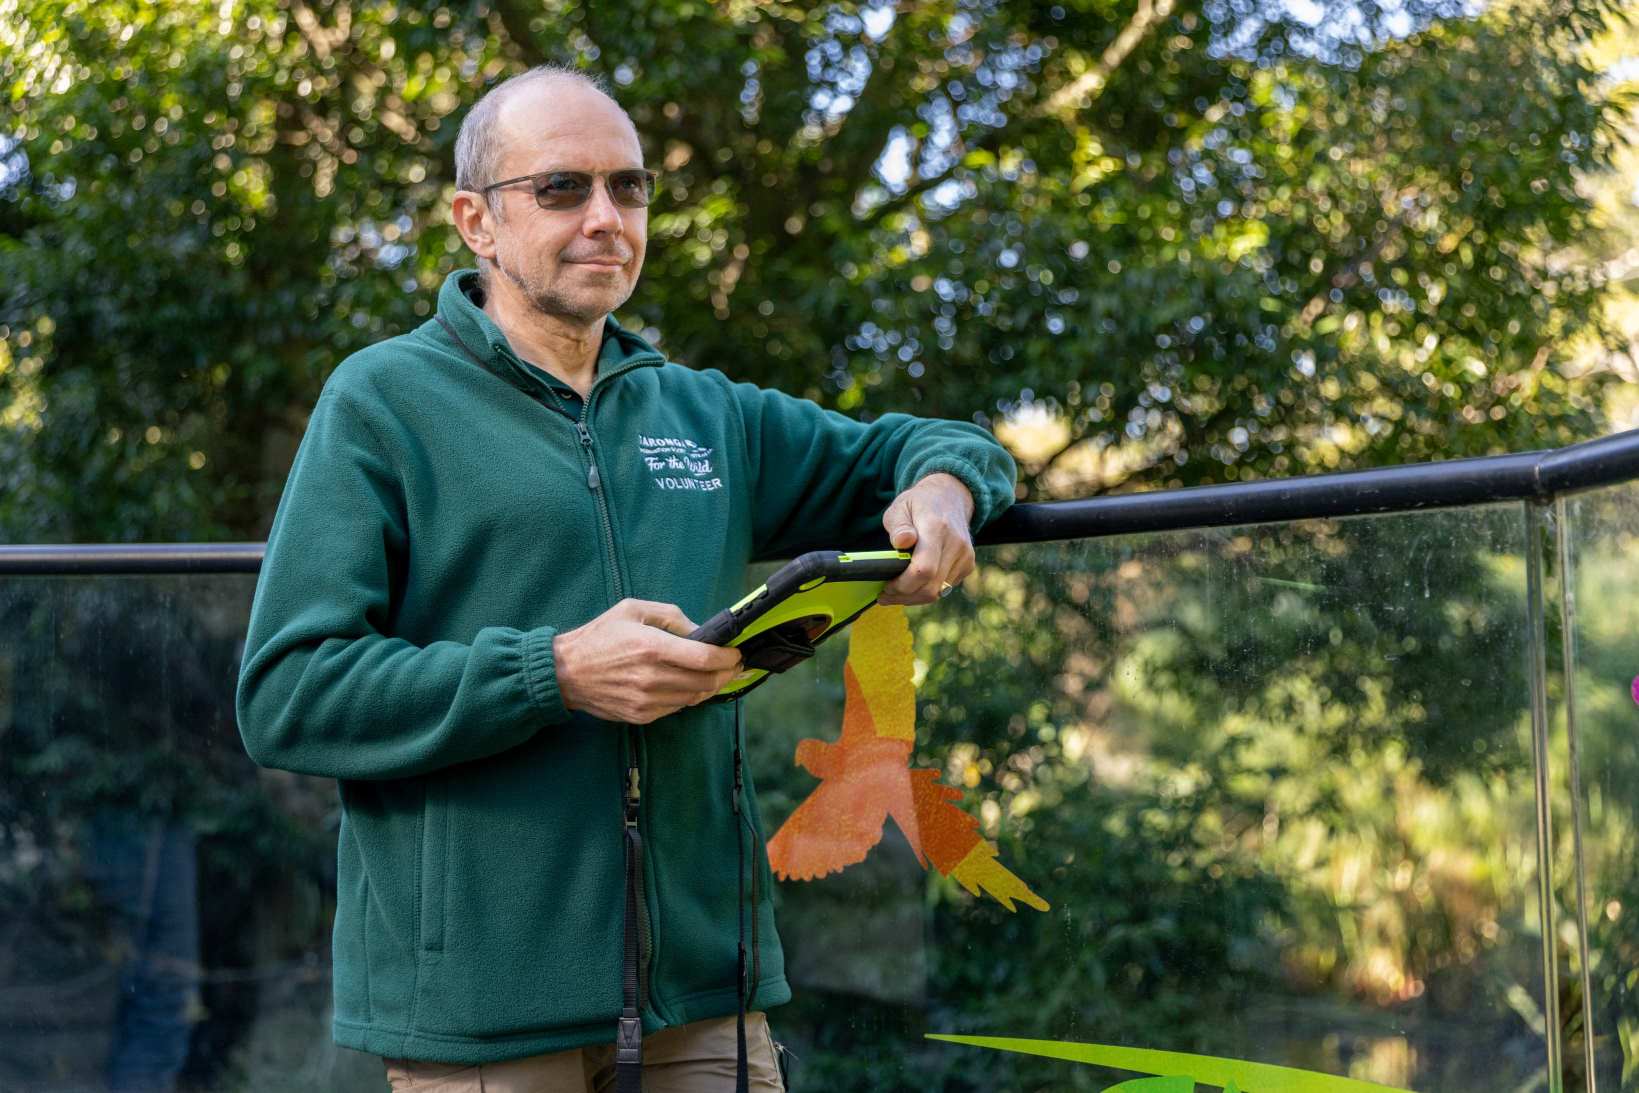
(631, 188)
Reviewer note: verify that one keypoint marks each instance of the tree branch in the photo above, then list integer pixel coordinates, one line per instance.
(1080, 92)
(361, 70)
(1349, 275)
(991, 141)
(515, 21)
(858, 150)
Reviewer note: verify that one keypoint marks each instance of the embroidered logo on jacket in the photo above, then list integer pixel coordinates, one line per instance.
(677, 463)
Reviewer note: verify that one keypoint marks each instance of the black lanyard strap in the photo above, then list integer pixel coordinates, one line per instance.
(745, 987)
(629, 1031)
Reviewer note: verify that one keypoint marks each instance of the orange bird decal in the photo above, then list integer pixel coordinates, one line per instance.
(866, 778)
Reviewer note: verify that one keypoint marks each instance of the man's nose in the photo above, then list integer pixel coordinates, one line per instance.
(602, 214)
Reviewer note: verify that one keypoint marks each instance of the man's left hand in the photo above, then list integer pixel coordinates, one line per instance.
(932, 516)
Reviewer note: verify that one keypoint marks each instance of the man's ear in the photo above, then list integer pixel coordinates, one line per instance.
(475, 220)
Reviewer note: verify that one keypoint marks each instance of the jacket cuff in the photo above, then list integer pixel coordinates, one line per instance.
(541, 674)
(985, 506)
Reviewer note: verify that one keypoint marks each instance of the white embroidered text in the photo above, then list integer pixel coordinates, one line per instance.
(678, 463)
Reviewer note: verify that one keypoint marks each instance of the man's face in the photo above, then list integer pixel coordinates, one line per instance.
(574, 264)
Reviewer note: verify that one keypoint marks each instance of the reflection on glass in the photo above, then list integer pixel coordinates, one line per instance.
(1276, 784)
(163, 904)
(1602, 620)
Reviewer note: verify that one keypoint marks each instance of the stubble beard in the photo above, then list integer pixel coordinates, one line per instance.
(557, 304)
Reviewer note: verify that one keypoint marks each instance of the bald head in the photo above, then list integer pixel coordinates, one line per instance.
(515, 108)
(562, 266)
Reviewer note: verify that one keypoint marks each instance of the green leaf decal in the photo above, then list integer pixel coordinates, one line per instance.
(1228, 1074)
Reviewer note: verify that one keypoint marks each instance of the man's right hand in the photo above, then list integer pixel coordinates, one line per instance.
(634, 664)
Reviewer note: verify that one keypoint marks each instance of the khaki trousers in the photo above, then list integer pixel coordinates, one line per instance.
(695, 1058)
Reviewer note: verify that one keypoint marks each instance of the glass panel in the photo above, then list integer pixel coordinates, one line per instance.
(164, 904)
(1557, 829)
(1276, 783)
(1601, 619)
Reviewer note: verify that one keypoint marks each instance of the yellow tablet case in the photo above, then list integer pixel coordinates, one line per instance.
(804, 602)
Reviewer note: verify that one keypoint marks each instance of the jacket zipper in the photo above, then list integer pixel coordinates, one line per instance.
(633, 783)
(594, 483)
(633, 800)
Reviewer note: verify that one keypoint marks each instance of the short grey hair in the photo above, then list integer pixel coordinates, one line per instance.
(478, 146)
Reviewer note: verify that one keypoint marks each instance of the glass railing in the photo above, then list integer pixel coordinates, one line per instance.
(1338, 776)
(1598, 719)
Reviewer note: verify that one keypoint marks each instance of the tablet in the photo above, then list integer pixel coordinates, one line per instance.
(806, 601)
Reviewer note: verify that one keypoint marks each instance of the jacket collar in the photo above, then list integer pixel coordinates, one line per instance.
(622, 350)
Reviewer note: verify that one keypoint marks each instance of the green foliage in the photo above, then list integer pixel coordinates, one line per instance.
(1197, 240)
(1211, 242)
(1269, 826)
(1258, 773)
(1603, 531)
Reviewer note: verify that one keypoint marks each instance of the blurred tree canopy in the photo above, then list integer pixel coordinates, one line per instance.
(1153, 242)
(1193, 240)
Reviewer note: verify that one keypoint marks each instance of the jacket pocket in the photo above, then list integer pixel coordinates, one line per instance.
(435, 837)
(530, 905)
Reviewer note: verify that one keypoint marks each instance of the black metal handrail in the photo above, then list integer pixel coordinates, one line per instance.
(1527, 476)
(1451, 483)
(90, 559)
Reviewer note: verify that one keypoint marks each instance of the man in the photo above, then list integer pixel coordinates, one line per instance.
(493, 540)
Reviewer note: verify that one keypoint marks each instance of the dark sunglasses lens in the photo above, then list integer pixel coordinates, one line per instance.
(562, 189)
(633, 189)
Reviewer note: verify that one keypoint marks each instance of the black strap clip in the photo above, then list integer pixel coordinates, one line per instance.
(783, 646)
(629, 1042)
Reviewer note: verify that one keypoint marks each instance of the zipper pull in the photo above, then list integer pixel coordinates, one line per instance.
(632, 796)
(592, 479)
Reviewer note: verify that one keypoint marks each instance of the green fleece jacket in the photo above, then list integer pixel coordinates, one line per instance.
(445, 517)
